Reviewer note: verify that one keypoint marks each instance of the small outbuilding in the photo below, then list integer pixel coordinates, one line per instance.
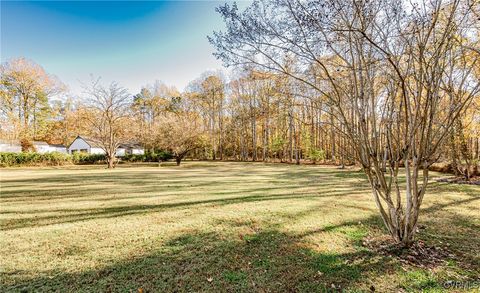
(41, 146)
(58, 148)
(131, 149)
(84, 144)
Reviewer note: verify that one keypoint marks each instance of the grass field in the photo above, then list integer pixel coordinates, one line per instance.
(236, 227)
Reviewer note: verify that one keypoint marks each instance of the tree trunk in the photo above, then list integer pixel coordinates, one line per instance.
(220, 127)
(453, 150)
(297, 144)
(332, 133)
(266, 124)
(178, 160)
(477, 148)
(254, 136)
(111, 161)
(290, 137)
(399, 219)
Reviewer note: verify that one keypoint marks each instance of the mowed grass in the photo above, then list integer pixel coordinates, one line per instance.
(216, 227)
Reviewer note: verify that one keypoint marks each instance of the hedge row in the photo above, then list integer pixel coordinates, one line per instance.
(47, 159)
(57, 159)
(84, 158)
(148, 157)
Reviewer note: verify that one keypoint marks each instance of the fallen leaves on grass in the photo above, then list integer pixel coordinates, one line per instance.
(419, 254)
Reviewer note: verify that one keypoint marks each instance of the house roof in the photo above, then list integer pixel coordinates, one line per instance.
(39, 142)
(96, 144)
(90, 141)
(10, 141)
(36, 142)
(131, 145)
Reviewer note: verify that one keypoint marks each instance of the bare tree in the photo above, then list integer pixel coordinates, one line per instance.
(109, 117)
(180, 130)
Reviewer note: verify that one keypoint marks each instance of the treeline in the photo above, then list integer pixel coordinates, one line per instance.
(254, 116)
(257, 116)
(251, 115)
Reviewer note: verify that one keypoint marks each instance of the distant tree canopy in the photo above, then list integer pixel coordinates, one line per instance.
(25, 89)
(180, 130)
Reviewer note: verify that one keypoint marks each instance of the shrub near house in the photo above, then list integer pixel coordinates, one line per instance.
(8, 159)
(148, 157)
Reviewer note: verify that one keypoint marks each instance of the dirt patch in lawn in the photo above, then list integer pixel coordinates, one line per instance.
(419, 254)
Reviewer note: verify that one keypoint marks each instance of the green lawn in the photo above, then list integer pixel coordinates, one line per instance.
(237, 227)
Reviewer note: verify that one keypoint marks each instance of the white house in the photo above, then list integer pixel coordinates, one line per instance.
(58, 148)
(41, 147)
(11, 146)
(91, 146)
(85, 145)
(131, 149)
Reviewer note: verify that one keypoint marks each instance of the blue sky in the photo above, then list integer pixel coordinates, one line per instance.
(133, 43)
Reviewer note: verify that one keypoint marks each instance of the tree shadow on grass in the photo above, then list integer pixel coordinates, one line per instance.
(266, 261)
(456, 233)
(133, 189)
(263, 259)
(76, 215)
(65, 186)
